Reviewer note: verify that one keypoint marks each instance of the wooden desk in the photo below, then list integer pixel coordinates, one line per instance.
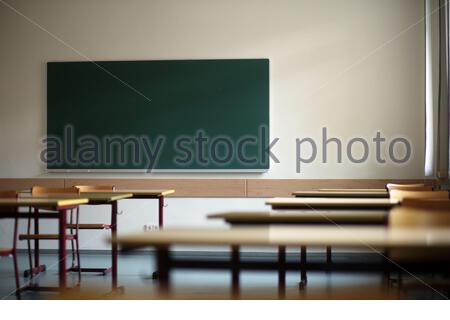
(159, 194)
(349, 236)
(152, 194)
(93, 198)
(50, 203)
(9, 209)
(303, 218)
(106, 197)
(331, 203)
(111, 198)
(408, 240)
(321, 204)
(342, 194)
(138, 193)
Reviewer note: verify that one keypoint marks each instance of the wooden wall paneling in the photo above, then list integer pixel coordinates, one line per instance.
(212, 187)
(285, 187)
(19, 184)
(183, 187)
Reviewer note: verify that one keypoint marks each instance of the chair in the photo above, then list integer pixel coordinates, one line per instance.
(12, 252)
(73, 222)
(95, 226)
(408, 187)
(401, 194)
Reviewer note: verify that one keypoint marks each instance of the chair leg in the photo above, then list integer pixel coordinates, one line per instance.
(78, 258)
(72, 248)
(14, 254)
(72, 245)
(37, 263)
(77, 221)
(16, 274)
(30, 257)
(30, 260)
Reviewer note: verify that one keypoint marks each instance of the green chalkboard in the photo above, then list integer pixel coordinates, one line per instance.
(163, 114)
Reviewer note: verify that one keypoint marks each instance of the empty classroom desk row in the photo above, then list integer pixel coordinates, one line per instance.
(63, 204)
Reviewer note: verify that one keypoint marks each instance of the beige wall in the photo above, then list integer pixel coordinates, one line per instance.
(354, 66)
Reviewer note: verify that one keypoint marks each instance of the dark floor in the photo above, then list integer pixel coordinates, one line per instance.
(135, 270)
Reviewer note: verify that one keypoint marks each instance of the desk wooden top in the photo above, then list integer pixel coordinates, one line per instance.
(105, 196)
(42, 202)
(92, 197)
(136, 193)
(349, 236)
(342, 194)
(306, 217)
(331, 203)
(148, 192)
(353, 189)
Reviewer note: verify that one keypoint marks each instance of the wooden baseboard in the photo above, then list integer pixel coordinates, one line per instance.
(238, 188)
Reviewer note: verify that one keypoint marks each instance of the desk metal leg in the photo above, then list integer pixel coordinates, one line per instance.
(36, 241)
(161, 212)
(114, 244)
(235, 272)
(329, 259)
(303, 278)
(62, 249)
(113, 229)
(155, 274)
(281, 272)
(163, 265)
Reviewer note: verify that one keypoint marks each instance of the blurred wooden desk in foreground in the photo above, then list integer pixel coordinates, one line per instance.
(372, 238)
(303, 218)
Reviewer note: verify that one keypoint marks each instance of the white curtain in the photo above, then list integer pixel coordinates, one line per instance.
(437, 88)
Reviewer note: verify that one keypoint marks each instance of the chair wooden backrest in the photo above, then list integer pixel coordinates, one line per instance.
(408, 187)
(36, 190)
(8, 194)
(95, 188)
(400, 195)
